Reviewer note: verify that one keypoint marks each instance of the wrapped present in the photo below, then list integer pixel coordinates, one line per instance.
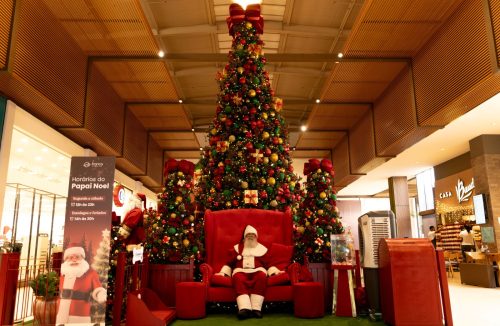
(277, 104)
(251, 197)
(222, 146)
(256, 156)
(319, 241)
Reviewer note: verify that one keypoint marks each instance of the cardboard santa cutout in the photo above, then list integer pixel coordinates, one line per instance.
(79, 285)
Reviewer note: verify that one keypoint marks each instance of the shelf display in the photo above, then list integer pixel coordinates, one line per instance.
(447, 237)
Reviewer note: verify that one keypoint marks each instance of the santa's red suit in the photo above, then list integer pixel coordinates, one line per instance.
(248, 267)
(76, 289)
(132, 228)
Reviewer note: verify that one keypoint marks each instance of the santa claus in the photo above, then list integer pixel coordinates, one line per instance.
(248, 265)
(79, 284)
(132, 229)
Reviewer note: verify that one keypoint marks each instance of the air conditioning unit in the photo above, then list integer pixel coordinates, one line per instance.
(374, 226)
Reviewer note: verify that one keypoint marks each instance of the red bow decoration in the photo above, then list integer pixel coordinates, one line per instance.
(314, 164)
(237, 15)
(172, 165)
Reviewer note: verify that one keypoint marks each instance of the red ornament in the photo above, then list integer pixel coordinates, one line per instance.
(243, 80)
(249, 145)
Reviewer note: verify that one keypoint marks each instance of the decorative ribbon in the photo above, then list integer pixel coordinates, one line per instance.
(237, 15)
(172, 165)
(319, 241)
(256, 156)
(222, 146)
(314, 164)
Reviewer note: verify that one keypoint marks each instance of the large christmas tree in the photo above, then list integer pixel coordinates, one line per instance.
(101, 265)
(319, 213)
(247, 163)
(174, 234)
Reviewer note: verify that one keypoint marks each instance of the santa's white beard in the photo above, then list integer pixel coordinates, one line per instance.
(250, 243)
(78, 270)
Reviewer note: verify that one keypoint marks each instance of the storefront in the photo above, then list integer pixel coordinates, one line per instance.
(34, 172)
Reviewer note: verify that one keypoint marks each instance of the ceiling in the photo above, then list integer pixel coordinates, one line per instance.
(389, 61)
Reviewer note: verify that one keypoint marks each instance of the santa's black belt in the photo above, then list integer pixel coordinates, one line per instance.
(75, 295)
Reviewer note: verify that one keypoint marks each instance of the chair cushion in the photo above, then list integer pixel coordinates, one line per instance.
(280, 256)
(219, 280)
(278, 279)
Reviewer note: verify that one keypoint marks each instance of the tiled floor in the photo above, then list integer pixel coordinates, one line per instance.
(473, 305)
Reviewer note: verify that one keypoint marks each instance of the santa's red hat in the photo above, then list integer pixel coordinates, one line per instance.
(74, 249)
(250, 229)
(143, 198)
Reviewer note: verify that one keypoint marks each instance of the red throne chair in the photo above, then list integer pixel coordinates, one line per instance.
(223, 229)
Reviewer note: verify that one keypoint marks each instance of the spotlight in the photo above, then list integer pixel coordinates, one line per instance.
(303, 127)
(161, 54)
(192, 129)
(318, 100)
(340, 55)
(180, 101)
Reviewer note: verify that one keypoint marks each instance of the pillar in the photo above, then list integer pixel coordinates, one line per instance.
(400, 205)
(485, 162)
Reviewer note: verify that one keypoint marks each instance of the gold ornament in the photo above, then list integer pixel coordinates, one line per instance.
(180, 174)
(239, 47)
(274, 203)
(232, 138)
(320, 212)
(322, 195)
(271, 181)
(173, 215)
(274, 157)
(248, 25)
(263, 181)
(175, 243)
(178, 199)
(191, 218)
(185, 242)
(240, 70)
(265, 135)
(272, 113)
(301, 229)
(244, 184)
(265, 160)
(280, 140)
(264, 115)
(213, 131)
(252, 93)
(292, 184)
(308, 223)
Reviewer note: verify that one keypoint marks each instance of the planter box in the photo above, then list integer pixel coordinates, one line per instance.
(322, 273)
(162, 279)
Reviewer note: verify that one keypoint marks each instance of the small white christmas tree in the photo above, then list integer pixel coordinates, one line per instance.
(101, 265)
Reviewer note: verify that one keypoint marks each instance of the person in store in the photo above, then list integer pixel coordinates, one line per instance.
(467, 244)
(78, 285)
(432, 235)
(247, 264)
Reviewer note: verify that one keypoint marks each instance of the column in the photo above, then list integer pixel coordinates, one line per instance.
(400, 205)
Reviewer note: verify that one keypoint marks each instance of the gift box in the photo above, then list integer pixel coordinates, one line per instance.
(222, 146)
(251, 197)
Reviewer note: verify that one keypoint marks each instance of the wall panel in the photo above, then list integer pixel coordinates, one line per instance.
(362, 146)
(105, 111)
(154, 171)
(48, 59)
(456, 59)
(6, 9)
(135, 141)
(395, 118)
(341, 164)
(495, 21)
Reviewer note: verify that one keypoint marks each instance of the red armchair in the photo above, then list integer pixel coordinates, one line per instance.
(223, 229)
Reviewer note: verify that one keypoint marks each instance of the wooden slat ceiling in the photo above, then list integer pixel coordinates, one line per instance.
(379, 40)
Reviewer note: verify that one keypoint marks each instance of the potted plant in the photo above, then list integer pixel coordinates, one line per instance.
(45, 287)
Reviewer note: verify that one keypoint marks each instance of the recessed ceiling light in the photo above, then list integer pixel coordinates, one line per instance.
(192, 129)
(180, 101)
(303, 127)
(45, 149)
(20, 150)
(318, 100)
(161, 54)
(340, 55)
(201, 148)
(38, 158)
